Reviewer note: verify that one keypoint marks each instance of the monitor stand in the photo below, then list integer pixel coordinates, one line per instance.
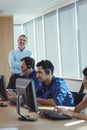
(22, 117)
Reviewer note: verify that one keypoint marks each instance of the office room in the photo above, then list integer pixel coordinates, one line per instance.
(56, 30)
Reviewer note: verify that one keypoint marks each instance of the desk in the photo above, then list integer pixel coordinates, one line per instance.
(8, 118)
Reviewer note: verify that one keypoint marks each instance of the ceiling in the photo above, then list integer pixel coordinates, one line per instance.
(24, 10)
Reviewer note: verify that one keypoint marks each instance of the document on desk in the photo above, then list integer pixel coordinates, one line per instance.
(11, 128)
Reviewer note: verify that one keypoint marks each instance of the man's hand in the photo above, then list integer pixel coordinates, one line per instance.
(11, 95)
(63, 110)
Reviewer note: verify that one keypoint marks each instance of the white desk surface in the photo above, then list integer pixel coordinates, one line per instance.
(8, 119)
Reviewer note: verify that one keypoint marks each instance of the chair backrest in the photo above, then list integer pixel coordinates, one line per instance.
(81, 89)
(77, 89)
(77, 97)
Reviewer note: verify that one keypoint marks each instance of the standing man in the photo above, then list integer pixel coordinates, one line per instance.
(16, 55)
(14, 59)
(53, 91)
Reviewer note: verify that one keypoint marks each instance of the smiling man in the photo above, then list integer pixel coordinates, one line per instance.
(16, 55)
(14, 59)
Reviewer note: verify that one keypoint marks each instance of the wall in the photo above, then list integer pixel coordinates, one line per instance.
(6, 44)
(74, 84)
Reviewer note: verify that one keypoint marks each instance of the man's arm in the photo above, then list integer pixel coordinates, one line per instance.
(46, 102)
(81, 105)
(11, 95)
(71, 113)
(79, 115)
(75, 114)
(12, 60)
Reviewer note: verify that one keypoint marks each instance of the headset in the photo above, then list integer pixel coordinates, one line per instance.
(47, 70)
(28, 67)
(29, 64)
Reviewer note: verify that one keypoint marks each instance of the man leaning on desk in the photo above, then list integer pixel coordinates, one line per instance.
(54, 90)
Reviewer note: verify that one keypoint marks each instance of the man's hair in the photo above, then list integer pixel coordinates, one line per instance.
(22, 35)
(85, 71)
(46, 65)
(30, 62)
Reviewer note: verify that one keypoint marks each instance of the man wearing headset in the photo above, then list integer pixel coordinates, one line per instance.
(54, 90)
(27, 65)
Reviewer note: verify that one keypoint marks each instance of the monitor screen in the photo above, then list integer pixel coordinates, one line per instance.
(25, 90)
(3, 92)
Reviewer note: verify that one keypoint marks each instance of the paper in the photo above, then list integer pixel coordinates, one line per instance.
(11, 128)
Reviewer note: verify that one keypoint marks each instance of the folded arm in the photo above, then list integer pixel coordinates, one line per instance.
(12, 61)
(46, 102)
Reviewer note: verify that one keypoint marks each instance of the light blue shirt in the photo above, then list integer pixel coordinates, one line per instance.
(14, 59)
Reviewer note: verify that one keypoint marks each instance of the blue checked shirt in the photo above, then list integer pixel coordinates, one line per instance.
(57, 90)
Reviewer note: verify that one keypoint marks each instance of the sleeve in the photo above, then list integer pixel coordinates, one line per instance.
(60, 92)
(39, 91)
(12, 60)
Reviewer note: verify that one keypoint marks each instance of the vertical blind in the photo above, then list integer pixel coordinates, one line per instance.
(61, 36)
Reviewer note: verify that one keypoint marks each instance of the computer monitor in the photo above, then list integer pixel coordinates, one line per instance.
(3, 92)
(26, 94)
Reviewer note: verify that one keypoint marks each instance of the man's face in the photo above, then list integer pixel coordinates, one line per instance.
(21, 42)
(24, 68)
(41, 74)
(85, 82)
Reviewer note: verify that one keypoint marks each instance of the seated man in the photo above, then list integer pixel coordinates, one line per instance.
(54, 90)
(80, 111)
(27, 65)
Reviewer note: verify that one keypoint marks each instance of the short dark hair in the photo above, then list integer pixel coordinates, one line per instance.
(46, 64)
(85, 71)
(29, 62)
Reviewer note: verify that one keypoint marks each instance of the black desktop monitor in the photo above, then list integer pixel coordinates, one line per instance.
(26, 94)
(3, 92)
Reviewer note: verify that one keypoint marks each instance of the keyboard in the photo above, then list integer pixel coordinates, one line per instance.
(51, 114)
